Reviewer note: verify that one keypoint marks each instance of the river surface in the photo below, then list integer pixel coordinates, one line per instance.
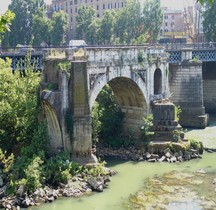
(152, 186)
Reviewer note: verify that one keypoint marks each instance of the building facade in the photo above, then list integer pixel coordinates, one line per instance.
(173, 27)
(182, 25)
(71, 7)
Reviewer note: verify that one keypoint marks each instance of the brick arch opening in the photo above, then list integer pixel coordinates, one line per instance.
(130, 92)
(54, 129)
(157, 82)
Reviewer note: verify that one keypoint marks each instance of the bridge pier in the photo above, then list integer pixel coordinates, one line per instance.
(82, 130)
(186, 87)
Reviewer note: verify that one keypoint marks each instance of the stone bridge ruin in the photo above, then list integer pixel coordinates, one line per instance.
(137, 75)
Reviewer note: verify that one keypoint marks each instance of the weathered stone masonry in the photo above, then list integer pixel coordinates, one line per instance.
(137, 75)
(186, 89)
(130, 73)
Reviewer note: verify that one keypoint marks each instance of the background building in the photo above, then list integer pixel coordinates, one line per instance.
(71, 8)
(184, 25)
(173, 26)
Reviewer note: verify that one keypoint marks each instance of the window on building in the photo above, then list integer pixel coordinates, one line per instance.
(122, 4)
(173, 17)
(110, 6)
(166, 17)
(75, 1)
(71, 2)
(172, 24)
(166, 24)
(98, 15)
(71, 11)
(104, 6)
(166, 30)
(86, 1)
(97, 7)
(71, 19)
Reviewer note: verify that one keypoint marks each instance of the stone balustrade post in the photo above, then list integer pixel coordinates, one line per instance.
(186, 54)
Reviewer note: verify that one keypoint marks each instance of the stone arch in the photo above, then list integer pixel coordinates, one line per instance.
(54, 128)
(157, 82)
(128, 76)
(130, 92)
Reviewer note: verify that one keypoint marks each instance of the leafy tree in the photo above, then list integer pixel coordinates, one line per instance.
(5, 22)
(209, 22)
(59, 28)
(96, 124)
(206, 1)
(152, 17)
(84, 18)
(41, 28)
(136, 26)
(21, 30)
(107, 119)
(129, 23)
(140, 40)
(18, 106)
(107, 26)
(93, 31)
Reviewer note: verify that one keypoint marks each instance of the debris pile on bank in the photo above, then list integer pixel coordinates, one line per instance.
(80, 184)
(147, 155)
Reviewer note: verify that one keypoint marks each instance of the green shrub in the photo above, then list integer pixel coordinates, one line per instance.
(146, 129)
(197, 145)
(59, 170)
(96, 124)
(18, 106)
(27, 172)
(107, 118)
(39, 144)
(178, 111)
(95, 170)
(33, 174)
(6, 161)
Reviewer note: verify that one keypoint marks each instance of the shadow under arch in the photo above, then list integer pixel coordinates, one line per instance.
(131, 94)
(54, 128)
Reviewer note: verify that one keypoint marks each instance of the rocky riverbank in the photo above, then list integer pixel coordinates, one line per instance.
(80, 184)
(86, 182)
(164, 155)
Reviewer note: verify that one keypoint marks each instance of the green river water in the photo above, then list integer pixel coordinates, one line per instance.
(152, 186)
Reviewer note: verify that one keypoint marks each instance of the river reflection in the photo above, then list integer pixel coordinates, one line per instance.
(173, 186)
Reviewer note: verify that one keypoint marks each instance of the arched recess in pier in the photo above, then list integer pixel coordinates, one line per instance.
(157, 82)
(130, 91)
